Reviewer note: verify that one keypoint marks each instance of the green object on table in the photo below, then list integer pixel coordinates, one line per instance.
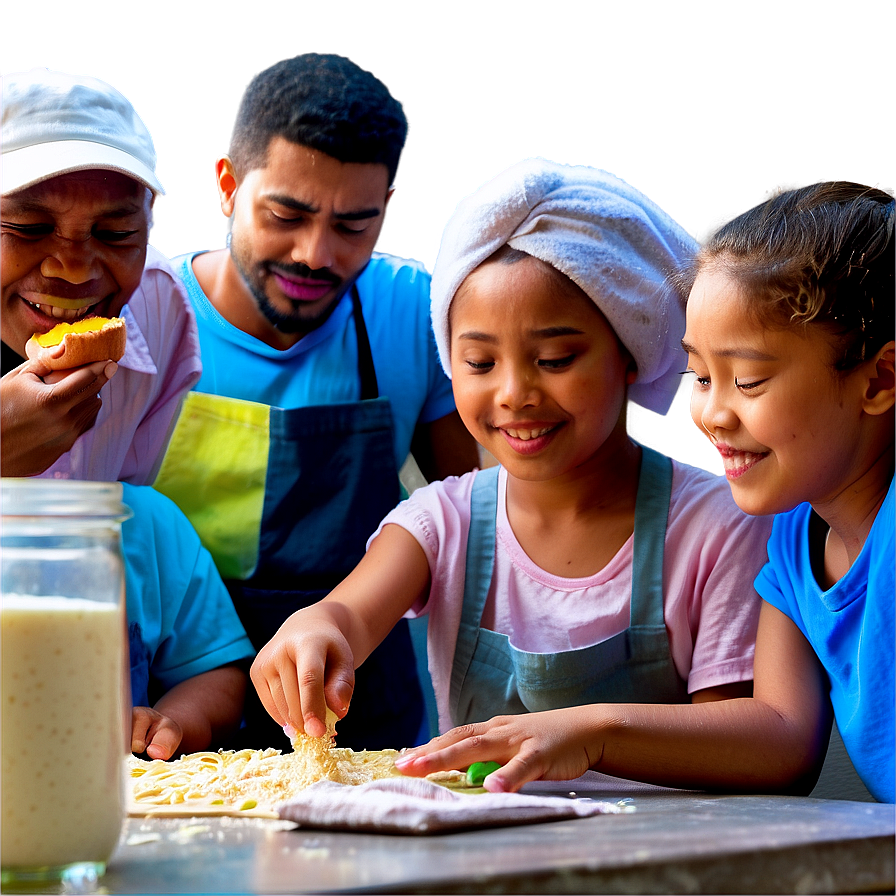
(478, 771)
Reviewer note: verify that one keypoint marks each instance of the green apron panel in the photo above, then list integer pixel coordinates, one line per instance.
(215, 470)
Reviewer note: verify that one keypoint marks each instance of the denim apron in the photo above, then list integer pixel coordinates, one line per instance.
(326, 478)
(491, 677)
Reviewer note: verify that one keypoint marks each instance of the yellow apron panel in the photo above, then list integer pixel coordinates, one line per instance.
(215, 470)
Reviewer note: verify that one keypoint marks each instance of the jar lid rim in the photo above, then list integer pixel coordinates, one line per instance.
(31, 497)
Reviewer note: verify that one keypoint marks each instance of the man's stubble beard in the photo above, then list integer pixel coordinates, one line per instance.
(283, 323)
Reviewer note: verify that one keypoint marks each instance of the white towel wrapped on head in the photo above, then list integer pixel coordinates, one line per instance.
(608, 238)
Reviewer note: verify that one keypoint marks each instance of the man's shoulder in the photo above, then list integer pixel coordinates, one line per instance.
(392, 273)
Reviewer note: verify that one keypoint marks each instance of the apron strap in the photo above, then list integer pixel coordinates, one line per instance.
(651, 516)
(477, 577)
(366, 370)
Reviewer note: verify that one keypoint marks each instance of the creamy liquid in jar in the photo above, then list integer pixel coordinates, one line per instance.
(62, 736)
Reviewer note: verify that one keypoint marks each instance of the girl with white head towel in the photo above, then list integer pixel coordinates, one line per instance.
(585, 568)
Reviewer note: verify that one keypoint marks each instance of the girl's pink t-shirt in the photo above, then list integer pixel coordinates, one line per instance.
(713, 553)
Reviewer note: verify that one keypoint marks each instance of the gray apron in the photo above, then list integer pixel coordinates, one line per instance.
(491, 677)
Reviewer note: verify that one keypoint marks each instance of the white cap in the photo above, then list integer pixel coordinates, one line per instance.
(54, 123)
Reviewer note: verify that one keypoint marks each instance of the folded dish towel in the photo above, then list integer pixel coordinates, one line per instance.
(418, 806)
(606, 236)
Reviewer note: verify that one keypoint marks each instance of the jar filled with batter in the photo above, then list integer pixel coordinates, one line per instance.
(64, 717)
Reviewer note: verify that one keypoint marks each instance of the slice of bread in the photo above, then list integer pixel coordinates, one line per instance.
(84, 341)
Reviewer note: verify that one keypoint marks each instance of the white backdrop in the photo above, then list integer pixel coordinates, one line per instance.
(705, 106)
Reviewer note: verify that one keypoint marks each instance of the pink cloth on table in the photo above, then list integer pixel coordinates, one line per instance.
(418, 806)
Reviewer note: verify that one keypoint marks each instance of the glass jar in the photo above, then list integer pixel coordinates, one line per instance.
(65, 716)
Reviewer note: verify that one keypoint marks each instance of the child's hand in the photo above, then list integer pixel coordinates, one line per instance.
(154, 734)
(539, 745)
(306, 667)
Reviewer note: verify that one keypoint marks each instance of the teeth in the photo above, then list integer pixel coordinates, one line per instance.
(63, 314)
(526, 435)
(736, 460)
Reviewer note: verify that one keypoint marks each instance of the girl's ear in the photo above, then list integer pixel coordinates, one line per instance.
(880, 390)
(227, 184)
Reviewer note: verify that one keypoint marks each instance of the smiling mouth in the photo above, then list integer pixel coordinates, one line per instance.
(736, 462)
(67, 310)
(528, 442)
(526, 435)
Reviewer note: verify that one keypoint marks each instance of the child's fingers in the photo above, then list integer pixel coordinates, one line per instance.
(264, 678)
(140, 725)
(339, 687)
(274, 700)
(311, 706)
(456, 749)
(165, 739)
(286, 697)
(511, 776)
(154, 734)
(261, 673)
(328, 685)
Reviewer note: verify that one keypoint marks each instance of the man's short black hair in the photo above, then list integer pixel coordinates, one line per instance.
(324, 102)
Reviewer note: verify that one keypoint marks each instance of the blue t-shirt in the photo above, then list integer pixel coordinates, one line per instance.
(179, 612)
(851, 629)
(322, 367)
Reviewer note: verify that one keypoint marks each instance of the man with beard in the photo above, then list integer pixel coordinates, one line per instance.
(77, 194)
(320, 373)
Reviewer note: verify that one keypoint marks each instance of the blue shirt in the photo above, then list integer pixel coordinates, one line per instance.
(322, 367)
(851, 629)
(178, 609)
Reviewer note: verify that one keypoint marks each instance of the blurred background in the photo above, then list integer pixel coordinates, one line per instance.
(706, 107)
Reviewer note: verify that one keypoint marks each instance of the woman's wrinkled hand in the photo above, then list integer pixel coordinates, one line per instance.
(45, 411)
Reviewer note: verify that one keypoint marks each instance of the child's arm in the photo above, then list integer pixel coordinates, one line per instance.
(191, 716)
(310, 663)
(772, 741)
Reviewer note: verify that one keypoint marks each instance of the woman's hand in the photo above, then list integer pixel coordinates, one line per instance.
(45, 411)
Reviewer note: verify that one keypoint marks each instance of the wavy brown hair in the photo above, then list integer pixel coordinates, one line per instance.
(820, 255)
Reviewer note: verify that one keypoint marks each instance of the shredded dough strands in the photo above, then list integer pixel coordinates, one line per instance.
(246, 778)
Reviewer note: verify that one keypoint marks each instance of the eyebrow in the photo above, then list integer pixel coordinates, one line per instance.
(545, 333)
(745, 354)
(299, 206)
